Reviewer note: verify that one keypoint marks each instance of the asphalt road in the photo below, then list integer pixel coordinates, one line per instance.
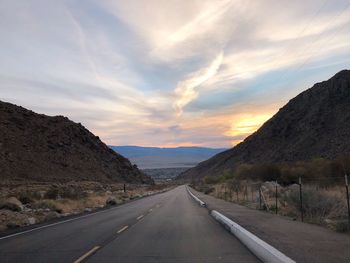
(168, 227)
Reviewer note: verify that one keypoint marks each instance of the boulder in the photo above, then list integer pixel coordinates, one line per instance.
(12, 204)
(31, 221)
(111, 200)
(52, 215)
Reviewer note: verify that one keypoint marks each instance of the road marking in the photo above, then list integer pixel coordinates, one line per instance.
(87, 254)
(121, 230)
(68, 220)
(138, 218)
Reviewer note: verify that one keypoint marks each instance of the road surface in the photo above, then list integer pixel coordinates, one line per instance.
(168, 227)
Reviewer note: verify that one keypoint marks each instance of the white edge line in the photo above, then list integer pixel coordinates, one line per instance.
(258, 247)
(60, 222)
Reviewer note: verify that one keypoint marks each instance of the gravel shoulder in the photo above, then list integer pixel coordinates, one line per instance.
(301, 241)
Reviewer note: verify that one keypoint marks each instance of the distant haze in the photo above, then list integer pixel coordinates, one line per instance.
(154, 157)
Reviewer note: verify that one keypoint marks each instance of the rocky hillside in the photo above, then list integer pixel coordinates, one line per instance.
(36, 147)
(316, 123)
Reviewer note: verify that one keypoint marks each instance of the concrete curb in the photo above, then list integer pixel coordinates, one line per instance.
(200, 202)
(258, 247)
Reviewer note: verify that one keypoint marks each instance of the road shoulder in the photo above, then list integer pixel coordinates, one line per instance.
(302, 242)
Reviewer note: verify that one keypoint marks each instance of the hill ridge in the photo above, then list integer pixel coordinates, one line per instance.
(315, 123)
(37, 147)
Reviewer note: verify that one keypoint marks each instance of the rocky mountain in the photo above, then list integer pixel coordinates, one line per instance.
(155, 157)
(316, 123)
(36, 147)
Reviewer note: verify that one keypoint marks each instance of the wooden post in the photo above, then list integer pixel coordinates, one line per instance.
(301, 200)
(276, 199)
(347, 196)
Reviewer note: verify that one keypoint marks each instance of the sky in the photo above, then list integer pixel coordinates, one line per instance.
(168, 72)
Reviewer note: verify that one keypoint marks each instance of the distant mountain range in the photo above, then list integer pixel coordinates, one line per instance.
(154, 157)
(314, 124)
(40, 148)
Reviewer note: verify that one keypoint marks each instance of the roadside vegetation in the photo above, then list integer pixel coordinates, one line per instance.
(276, 189)
(22, 205)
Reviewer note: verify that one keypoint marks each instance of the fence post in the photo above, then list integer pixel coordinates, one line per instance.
(260, 197)
(301, 200)
(124, 188)
(276, 199)
(237, 193)
(347, 196)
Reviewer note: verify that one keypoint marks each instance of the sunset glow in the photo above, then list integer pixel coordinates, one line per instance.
(168, 73)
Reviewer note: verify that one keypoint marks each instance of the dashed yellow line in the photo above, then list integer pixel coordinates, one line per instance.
(121, 230)
(139, 217)
(87, 254)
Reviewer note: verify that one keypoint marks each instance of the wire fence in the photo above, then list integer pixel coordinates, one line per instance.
(320, 200)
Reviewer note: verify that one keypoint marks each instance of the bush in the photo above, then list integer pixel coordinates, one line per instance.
(25, 198)
(211, 180)
(10, 206)
(69, 192)
(52, 193)
(228, 175)
(43, 204)
(317, 204)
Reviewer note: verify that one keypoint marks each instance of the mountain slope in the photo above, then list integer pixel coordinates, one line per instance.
(316, 123)
(154, 157)
(36, 147)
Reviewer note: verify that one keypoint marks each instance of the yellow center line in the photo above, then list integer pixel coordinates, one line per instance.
(138, 218)
(87, 254)
(121, 230)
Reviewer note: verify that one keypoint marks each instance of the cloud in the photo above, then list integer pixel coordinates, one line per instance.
(187, 90)
(173, 72)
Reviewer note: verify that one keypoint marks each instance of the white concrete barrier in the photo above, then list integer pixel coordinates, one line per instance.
(258, 247)
(200, 202)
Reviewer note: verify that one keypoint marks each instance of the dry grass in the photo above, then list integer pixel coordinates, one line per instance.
(46, 201)
(321, 205)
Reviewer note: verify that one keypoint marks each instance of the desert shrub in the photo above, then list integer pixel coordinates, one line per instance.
(205, 189)
(52, 193)
(43, 204)
(25, 198)
(342, 226)
(243, 171)
(69, 192)
(72, 192)
(318, 204)
(211, 180)
(9, 206)
(228, 175)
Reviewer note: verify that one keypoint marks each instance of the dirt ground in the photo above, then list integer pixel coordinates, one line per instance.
(301, 241)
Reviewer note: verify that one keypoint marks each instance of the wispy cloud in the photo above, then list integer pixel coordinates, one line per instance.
(187, 90)
(198, 72)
